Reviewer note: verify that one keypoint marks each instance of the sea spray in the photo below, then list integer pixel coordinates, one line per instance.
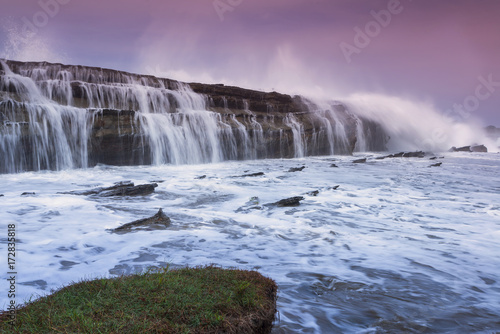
(416, 125)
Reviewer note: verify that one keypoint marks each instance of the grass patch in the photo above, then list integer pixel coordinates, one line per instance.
(190, 300)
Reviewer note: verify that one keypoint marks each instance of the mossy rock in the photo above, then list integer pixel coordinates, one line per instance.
(189, 300)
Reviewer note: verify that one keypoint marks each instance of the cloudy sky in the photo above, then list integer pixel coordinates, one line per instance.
(444, 52)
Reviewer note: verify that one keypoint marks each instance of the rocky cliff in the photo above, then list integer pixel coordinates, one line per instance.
(55, 116)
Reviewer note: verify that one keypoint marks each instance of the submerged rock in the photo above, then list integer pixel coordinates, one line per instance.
(251, 174)
(436, 164)
(252, 204)
(334, 165)
(359, 161)
(28, 194)
(200, 177)
(296, 169)
(313, 193)
(159, 218)
(291, 201)
(416, 154)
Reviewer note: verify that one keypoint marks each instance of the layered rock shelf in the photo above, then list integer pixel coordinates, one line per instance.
(55, 116)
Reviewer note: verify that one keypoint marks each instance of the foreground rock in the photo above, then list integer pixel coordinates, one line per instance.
(125, 188)
(160, 219)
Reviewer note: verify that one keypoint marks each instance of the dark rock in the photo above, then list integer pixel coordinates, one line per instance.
(140, 190)
(296, 169)
(334, 165)
(1, 195)
(291, 201)
(433, 158)
(359, 161)
(98, 190)
(417, 154)
(158, 219)
(334, 187)
(479, 148)
(436, 164)
(251, 174)
(124, 188)
(28, 194)
(313, 193)
(381, 158)
(200, 177)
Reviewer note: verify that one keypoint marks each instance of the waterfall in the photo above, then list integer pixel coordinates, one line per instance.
(58, 133)
(55, 116)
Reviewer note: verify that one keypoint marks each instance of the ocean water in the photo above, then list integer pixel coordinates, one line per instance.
(398, 247)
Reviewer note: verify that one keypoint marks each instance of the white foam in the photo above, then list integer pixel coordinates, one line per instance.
(395, 228)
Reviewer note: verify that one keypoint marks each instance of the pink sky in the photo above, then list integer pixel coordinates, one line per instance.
(430, 50)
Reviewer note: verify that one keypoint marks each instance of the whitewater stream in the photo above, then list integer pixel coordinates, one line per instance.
(398, 247)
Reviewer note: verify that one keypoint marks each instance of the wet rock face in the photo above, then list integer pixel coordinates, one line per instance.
(103, 119)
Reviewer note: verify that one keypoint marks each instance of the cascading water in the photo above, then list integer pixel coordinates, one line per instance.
(58, 133)
(58, 117)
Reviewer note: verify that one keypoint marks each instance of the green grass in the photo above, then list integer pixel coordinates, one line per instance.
(191, 300)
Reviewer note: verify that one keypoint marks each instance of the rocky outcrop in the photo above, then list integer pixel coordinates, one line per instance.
(103, 116)
(160, 219)
(472, 148)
